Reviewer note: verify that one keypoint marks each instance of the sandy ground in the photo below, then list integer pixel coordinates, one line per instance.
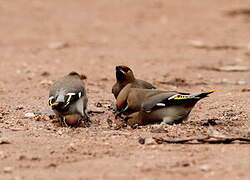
(177, 45)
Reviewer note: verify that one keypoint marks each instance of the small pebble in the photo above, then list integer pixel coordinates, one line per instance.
(72, 147)
(147, 141)
(2, 155)
(29, 115)
(45, 73)
(58, 45)
(8, 169)
(46, 82)
(19, 107)
(204, 167)
(4, 141)
(22, 157)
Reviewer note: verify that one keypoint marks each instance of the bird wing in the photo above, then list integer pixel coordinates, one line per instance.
(172, 98)
(116, 89)
(145, 84)
(73, 84)
(156, 101)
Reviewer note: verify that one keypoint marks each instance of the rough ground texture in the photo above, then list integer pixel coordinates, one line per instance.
(177, 45)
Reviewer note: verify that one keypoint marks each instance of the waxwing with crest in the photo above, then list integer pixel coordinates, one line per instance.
(124, 76)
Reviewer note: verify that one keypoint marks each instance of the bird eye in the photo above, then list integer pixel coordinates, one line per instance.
(125, 69)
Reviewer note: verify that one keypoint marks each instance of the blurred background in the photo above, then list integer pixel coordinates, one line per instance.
(160, 40)
(184, 45)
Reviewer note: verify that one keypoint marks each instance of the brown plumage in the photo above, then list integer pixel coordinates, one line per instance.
(130, 99)
(144, 106)
(67, 96)
(124, 76)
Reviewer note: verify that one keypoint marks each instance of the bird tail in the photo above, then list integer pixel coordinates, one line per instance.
(176, 99)
(205, 94)
(191, 97)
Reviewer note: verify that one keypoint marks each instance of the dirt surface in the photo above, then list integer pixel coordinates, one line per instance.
(177, 45)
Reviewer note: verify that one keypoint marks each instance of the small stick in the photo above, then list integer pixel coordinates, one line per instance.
(96, 112)
(206, 139)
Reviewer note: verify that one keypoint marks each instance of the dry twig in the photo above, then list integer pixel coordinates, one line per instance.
(202, 140)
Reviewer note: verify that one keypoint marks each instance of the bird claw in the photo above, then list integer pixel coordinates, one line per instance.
(118, 114)
(63, 122)
(85, 121)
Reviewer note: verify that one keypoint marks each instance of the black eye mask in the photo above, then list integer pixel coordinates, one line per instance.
(68, 99)
(120, 76)
(125, 69)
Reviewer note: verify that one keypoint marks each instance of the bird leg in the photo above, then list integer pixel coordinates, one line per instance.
(87, 119)
(63, 122)
(119, 113)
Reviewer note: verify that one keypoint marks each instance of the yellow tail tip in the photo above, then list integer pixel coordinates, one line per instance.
(212, 91)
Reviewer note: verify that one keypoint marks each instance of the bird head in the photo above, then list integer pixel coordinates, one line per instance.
(124, 73)
(62, 99)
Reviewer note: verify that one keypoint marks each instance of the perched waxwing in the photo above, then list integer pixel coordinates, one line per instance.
(124, 76)
(68, 99)
(150, 106)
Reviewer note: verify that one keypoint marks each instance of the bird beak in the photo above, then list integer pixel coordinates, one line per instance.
(118, 68)
(54, 104)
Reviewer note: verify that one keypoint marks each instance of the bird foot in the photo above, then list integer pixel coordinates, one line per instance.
(63, 122)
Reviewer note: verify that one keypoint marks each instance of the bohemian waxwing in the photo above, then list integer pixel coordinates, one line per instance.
(124, 76)
(68, 99)
(145, 106)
